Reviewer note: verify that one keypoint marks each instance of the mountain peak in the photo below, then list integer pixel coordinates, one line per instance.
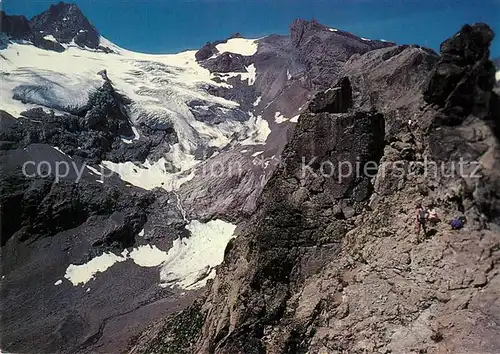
(66, 23)
(302, 30)
(16, 26)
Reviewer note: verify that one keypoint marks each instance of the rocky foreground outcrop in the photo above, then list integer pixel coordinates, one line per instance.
(464, 76)
(334, 265)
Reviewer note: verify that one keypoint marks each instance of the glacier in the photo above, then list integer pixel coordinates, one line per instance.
(162, 90)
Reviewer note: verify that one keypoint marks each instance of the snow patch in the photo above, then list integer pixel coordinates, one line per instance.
(279, 118)
(62, 152)
(497, 75)
(93, 170)
(150, 175)
(252, 74)
(258, 131)
(82, 273)
(333, 29)
(188, 264)
(136, 133)
(295, 119)
(141, 233)
(50, 37)
(241, 46)
(365, 39)
(257, 101)
(59, 282)
(257, 153)
(191, 260)
(148, 256)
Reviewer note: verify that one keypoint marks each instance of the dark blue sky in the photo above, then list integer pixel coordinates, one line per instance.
(166, 26)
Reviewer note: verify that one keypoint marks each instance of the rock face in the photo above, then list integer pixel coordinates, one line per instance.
(65, 22)
(62, 24)
(329, 265)
(296, 215)
(227, 62)
(40, 208)
(313, 40)
(464, 77)
(335, 100)
(325, 205)
(57, 209)
(290, 69)
(16, 27)
(205, 52)
(306, 203)
(93, 132)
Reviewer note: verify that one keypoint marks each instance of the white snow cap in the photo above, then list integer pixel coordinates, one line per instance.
(241, 46)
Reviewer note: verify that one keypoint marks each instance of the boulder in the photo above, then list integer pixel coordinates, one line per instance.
(227, 62)
(464, 77)
(334, 100)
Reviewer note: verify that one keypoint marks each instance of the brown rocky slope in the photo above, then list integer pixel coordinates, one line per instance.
(330, 262)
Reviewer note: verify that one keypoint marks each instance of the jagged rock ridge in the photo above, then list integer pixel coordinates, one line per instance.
(62, 24)
(464, 77)
(312, 273)
(66, 23)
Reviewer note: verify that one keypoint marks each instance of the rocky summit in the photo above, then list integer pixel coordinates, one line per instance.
(249, 196)
(54, 29)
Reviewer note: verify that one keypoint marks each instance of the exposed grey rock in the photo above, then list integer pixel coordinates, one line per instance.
(284, 83)
(205, 52)
(464, 77)
(227, 62)
(48, 224)
(297, 277)
(65, 22)
(313, 40)
(40, 42)
(337, 99)
(16, 27)
(215, 113)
